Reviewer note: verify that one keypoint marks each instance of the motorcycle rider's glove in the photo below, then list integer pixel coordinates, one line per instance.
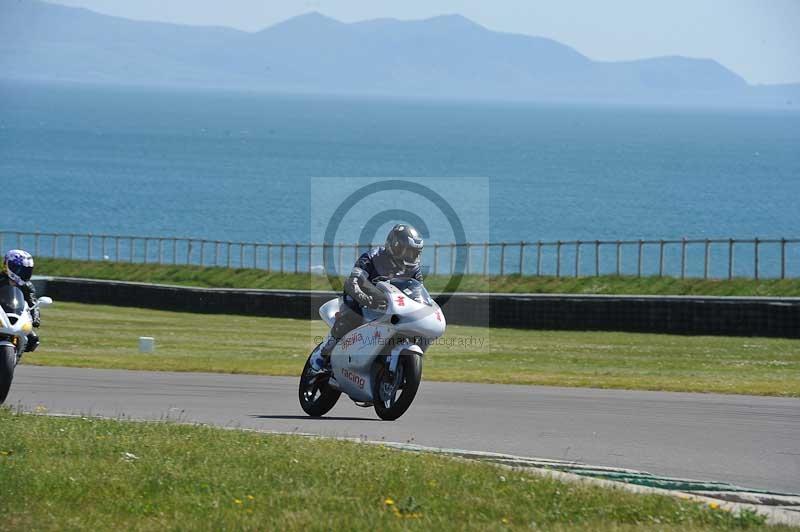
(36, 317)
(379, 302)
(363, 291)
(355, 291)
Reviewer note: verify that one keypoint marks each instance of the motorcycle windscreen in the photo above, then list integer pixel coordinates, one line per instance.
(12, 300)
(413, 289)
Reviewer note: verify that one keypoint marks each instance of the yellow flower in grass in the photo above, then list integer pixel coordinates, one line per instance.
(388, 501)
(504, 520)
(250, 497)
(237, 501)
(713, 505)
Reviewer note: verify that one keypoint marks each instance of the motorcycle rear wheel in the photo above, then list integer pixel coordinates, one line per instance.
(409, 369)
(316, 397)
(8, 359)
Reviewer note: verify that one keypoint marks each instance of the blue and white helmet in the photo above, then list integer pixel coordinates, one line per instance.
(18, 266)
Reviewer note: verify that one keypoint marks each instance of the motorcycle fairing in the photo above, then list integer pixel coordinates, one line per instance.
(353, 357)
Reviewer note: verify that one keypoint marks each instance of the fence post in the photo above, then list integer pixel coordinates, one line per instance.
(755, 264)
(202, 253)
(577, 259)
(521, 257)
(597, 258)
(146, 250)
(132, 243)
(116, 248)
(661, 258)
(71, 246)
(558, 258)
(217, 251)
(255, 256)
(310, 252)
(468, 265)
(228, 254)
(189, 251)
(36, 244)
(269, 256)
(683, 257)
(783, 258)
(538, 258)
(241, 254)
(502, 258)
(103, 247)
(485, 259)
(174, 251)
(283, 252)
(453, 258)
(161, 251)
(639, 259)
(54, 243)
(706, 259)
(730, 259)
(435, 258)
(89, 241)
(619, 256)
(341, 259)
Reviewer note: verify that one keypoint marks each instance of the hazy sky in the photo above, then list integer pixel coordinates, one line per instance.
(758, 39)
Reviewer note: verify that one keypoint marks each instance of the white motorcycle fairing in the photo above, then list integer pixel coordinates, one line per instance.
(384, 334)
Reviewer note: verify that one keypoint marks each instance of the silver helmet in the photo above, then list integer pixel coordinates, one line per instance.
(405, 244)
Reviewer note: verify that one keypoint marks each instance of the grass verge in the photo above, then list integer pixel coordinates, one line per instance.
(252, 278)
(106, 337)
(90, 474)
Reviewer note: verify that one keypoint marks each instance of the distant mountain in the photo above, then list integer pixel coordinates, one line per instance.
(442, 57)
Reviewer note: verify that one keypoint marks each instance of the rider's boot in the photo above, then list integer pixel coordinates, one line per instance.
(321, 359)
(33, 342)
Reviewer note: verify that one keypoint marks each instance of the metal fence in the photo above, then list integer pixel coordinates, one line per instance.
(697, 258)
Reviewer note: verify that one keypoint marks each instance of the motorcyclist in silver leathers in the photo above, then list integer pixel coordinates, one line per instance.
(400, 257)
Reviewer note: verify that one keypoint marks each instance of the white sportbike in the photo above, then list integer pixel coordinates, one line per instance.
(15, 325)
(378, 363)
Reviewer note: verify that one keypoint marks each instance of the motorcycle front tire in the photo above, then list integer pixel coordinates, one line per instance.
(8, 359)
(412, 377)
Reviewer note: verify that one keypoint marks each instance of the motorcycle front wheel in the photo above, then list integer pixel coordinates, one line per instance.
(316, 397)
(8, 359)
(394, 393)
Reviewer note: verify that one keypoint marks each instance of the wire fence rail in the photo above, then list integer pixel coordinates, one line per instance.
(728, 258)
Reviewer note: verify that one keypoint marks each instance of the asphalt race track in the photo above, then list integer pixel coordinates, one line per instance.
(750, 441)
